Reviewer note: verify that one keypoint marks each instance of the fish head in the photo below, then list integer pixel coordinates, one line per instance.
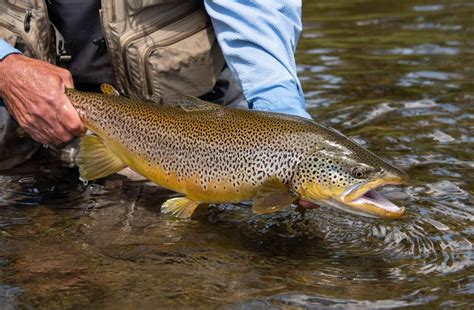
(346, 178)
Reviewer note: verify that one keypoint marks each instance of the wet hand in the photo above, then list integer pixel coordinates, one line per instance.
(33, 91)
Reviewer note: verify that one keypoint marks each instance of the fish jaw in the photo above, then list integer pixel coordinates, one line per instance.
(370, 204)
(368, 208)
(364, 200)
(360, 199)
(360, 189)
(373, 204)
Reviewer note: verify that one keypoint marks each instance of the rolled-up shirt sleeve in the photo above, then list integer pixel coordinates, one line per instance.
(6, 49)
(258, 39)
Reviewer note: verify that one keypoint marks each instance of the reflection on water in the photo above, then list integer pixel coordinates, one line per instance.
(394, 75)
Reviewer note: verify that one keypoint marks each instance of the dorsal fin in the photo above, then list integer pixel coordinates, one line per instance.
(192, 104)
(109, 90)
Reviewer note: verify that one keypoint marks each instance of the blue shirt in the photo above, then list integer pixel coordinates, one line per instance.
(258, 40)
(6, 49)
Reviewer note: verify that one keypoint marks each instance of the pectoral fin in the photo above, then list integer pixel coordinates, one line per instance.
(273, 196)
(181, 207)
(95, 160)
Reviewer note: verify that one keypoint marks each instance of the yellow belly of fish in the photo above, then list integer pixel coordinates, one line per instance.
(215, 192)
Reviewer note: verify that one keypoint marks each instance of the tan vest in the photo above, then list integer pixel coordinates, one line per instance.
(159, 49)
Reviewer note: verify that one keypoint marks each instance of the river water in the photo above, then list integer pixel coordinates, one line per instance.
(397, 76)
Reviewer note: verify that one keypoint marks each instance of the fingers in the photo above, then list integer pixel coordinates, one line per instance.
(44, 125)
(66, 78)
(43, 133)
(60, 133)
(54, 128)
(39, 137)
(56, 125)
(36, 127)
(68, 117)
(63, 122)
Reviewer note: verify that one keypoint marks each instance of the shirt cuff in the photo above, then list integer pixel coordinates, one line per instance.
(6, 49)
(280, 100)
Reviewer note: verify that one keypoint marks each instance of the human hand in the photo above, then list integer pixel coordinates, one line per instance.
(33, 91)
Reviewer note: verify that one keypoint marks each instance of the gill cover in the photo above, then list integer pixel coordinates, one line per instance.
(326, 174)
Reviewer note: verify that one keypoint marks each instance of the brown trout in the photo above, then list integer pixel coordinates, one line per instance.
(214, 154)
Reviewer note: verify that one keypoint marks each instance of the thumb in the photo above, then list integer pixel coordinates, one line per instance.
(67, 78)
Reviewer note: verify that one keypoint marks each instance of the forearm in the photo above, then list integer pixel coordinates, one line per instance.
(5, 50)
(258, 39)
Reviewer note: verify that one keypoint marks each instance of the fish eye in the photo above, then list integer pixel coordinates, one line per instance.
(359, 172)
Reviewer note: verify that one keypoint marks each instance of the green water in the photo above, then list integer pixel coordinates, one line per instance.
(397, 76)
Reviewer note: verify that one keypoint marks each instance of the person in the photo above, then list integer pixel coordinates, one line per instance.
(256, 38)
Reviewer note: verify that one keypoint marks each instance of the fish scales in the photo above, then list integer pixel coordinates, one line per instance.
(214, 154)
(221, 149)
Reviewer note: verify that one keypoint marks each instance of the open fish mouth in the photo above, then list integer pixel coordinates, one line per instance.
(363, 199)
(373, 204)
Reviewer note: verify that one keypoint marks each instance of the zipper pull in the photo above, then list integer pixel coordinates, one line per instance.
(27, 21)
(101, 46)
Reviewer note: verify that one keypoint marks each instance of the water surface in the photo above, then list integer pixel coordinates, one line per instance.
(397, 76)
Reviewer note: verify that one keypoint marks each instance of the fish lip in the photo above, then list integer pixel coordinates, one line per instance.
(358, 190)
(374, 204)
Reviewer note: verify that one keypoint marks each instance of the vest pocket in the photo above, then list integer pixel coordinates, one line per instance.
(180, 58)
(12, 25)
(8, 36)
(17, 40)
(25, 25)
(164, 59)
(186, 67)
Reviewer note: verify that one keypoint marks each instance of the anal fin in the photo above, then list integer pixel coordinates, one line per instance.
(181, 207)
(95, 160)
(272, 196)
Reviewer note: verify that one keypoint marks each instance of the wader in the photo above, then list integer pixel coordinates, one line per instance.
(15, 146)
(154, 50)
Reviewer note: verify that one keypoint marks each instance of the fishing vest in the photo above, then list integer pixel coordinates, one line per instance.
(159, 50)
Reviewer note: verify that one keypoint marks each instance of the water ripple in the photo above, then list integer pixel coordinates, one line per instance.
(395, 76)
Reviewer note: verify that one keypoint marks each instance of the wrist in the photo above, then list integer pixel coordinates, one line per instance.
(12, 54)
